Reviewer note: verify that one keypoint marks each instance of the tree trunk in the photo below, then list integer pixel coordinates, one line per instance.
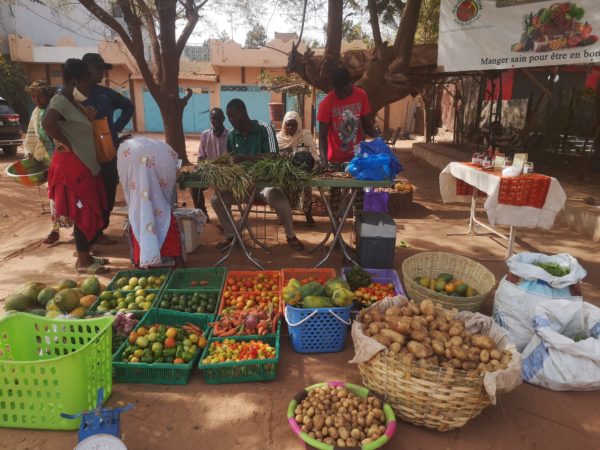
(172, 116)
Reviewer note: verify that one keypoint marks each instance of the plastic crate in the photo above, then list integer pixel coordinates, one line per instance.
(160, 373)
(180, 279)
(248, 275)
(382, 276)
(139, 273)
(251, 336)
(242, 371)
(52, 366)
(112, 286)
(216, 292)
(318, 330)
(246, 296)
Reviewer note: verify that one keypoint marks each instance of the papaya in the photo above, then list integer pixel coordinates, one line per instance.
(334, 284)
(46, 295)
(87, 300)
(291, 295)
(447, 277)
(30, 290)
(90, 285)
(313, 288)
(78, 312)
(294, 283)
(52, 314)
(316, 301)
(37, 312)
(66, 300)
(17, 302)
(342, 297)
(67, 284)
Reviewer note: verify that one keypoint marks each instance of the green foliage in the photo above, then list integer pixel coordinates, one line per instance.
(429, 21)
(12, 86)
(292, 84)
(256, 36)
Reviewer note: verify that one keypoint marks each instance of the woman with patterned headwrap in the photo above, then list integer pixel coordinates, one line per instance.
(37, 143)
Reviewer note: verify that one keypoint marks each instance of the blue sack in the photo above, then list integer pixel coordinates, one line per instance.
(375, 162)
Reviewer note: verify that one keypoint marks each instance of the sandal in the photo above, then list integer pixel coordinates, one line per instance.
(101, 261)
(295, 244)
(52, 238)
(93, 269)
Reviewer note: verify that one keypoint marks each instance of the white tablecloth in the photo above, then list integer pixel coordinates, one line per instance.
(500, 214)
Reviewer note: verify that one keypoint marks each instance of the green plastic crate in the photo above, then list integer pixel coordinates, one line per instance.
(160, 373)
(52, 366)
(92, 310)
(242, 371)
(181, 278)
(156, 304)
(139, 273)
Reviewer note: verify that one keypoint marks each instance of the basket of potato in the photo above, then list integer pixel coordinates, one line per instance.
(437, 368)
(335, 415)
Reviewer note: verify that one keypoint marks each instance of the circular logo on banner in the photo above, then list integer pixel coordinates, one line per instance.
(467, 11)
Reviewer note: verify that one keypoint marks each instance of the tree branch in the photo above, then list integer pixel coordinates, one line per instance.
(149, 22)
(333, 46)
(191, 14)
(374, 20)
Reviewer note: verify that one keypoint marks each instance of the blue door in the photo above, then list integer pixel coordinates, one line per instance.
(320, 96)
(256, 100)
(116, 114)
(195, 114)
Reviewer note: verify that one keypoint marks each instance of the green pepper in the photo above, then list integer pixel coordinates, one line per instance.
(158, 360)
(147, 359)
(169, 352)
(169, 359)
(179, 351)
(187, 356)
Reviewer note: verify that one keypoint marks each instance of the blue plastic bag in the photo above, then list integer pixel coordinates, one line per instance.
(375, 162)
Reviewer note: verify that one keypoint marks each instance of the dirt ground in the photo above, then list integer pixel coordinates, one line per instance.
(253, 415)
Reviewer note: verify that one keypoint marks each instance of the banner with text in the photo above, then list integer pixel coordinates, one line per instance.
(502, 34)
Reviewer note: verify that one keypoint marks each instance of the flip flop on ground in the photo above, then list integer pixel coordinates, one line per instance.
(93, 269)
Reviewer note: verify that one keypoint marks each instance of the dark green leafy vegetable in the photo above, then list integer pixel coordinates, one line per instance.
(358, 277)
(553, 269)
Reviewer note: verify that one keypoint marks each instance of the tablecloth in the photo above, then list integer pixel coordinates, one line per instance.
(499, 212)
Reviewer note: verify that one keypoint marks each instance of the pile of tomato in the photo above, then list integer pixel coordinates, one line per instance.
(374, 292)
(252, 291)
(230, 350)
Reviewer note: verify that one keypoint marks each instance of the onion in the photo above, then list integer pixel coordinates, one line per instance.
(251, 321)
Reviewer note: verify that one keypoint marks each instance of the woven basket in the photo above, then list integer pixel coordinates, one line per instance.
(440, 399)
(431, 264)
(399, 201)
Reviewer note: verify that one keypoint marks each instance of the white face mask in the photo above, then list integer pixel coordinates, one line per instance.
(78, 96)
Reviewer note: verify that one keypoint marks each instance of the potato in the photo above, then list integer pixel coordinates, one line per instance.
(355, 433)
(433, 325)
(406, 311)
(505, 359)
(344, 433)
(393, 311)
(438, 347)
(395, 348)
(457, 364)
(469, 365)
(448, 353)
(374, 328)
(393, 335)
(417, 349)
(333, 432)
(438, 335)
(427, 307)
(418, 335)
(384, 340)
(340, 443)
(329, 441)
(415, 308)
(455, 330)
(484, 342)
(429, 349)
(318, 421)
(402, 325)
(421, 321)
(495, 354)
(484, 356)
(366, 318)
(351, 442)
(459, 353)
(456, 341)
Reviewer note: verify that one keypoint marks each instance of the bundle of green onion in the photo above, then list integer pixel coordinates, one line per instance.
(222, 174)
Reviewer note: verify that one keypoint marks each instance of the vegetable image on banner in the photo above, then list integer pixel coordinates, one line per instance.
(502, 34)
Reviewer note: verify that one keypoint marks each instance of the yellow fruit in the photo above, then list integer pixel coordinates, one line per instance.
(87, 300)
(50, 306)
(471, 291)
(78, 312)
(432, 284)
(440, 285)
(425, 282)
(449, 288)
(52, 314)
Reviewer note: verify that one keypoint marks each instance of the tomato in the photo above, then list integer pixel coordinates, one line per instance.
(133, 337)
(170, 343)
(178, 361)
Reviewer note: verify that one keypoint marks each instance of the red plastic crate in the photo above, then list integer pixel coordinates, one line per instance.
(247, 276)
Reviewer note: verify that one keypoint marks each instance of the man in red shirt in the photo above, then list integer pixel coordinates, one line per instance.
(343, 115)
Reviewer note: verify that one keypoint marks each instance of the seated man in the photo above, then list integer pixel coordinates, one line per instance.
(250, 140)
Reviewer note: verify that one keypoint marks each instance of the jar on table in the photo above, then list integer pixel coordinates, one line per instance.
(528, 167)
(487, 162)
(507, 161)
(475, 159)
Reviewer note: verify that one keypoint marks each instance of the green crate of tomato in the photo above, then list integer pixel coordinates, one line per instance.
(211, 278)
(148, 368)
(189, 301)
(234, 369)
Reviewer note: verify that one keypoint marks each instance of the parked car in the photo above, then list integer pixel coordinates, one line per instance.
(10, 129)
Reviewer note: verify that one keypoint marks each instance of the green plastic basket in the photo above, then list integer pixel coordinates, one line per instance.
(160, 373)
(52, 366)
(212, 314)
(181, 278)
(112, 286)
(242, 371)
(140, 273)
